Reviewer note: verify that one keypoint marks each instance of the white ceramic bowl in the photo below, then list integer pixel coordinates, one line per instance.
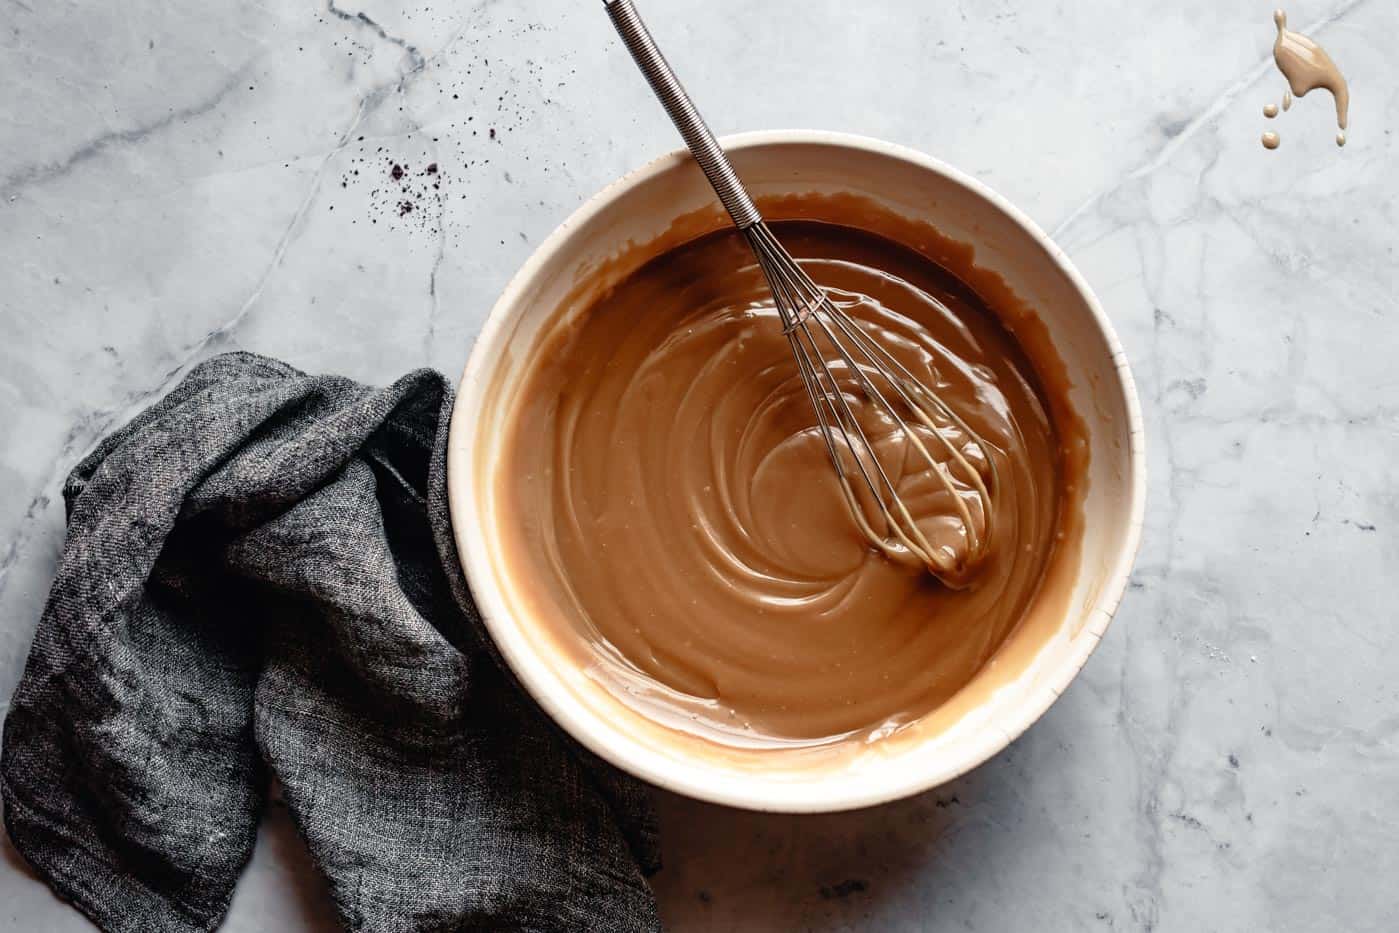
(975, 724)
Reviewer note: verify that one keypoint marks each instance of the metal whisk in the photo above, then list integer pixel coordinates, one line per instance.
(834, 354)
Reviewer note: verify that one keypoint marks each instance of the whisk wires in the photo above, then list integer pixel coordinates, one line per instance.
(811, 321)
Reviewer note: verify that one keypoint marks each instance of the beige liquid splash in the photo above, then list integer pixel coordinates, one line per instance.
(1306, 66)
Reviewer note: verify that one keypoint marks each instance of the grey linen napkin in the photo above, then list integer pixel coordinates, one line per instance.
(259, 580)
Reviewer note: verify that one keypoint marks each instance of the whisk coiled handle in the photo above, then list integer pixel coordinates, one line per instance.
(687, 120)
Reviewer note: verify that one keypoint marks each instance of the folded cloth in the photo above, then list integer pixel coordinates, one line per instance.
(259, 581)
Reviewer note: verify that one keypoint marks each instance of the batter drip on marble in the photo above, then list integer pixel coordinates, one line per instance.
(1306, 66)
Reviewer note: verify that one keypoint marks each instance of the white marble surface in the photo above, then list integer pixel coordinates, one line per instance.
(177, 179)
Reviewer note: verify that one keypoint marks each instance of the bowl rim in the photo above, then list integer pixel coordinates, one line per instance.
(650, 765)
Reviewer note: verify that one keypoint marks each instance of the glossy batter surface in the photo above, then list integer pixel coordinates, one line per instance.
(678, 516)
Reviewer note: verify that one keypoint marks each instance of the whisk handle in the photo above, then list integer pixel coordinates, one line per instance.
(697, 135)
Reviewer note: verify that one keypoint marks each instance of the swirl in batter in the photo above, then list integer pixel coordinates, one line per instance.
(676, 504)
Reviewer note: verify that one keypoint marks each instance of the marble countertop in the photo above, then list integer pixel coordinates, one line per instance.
(181, 179)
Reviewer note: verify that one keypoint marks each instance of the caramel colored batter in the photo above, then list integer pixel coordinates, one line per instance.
(676, 510)
(1306, 66)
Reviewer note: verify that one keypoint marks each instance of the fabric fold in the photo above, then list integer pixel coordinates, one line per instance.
(259, 580)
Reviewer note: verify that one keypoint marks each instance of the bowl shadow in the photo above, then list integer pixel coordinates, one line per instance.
(878, 868)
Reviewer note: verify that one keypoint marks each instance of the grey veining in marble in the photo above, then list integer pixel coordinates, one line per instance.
(179, 179)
